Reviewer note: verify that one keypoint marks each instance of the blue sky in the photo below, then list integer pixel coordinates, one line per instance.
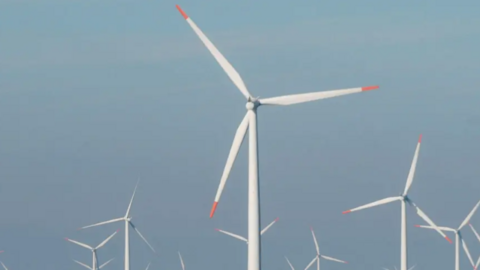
(97, 94)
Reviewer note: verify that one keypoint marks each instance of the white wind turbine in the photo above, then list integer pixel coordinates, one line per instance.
(458, 237)
(404, 199)
(250, 122)
(243, 238)
(94, 252)
(478, 238)
(318, 256)
(128, 222)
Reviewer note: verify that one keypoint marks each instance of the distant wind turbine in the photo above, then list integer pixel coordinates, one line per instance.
(404, 199)
(94, 252)
(128, 222)
(318, 256)
(243, 238)
(250, 122)
(458, 237)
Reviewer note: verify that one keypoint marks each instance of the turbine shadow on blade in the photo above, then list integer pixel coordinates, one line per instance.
(405, 199)
(250, 122)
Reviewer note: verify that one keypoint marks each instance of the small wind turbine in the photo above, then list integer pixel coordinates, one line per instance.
(478, 238)
(88, 267)
(458, 237)
(128, 222)
(318, 256)
(94, 252)
(243, 238)
(404, 199)
(250, 122)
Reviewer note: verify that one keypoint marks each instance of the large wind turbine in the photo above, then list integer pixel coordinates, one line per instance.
(318, 256)
(243, 238)
(404, 199)
(458, 237)
(94, 251)
(128, 222)
(250, 122)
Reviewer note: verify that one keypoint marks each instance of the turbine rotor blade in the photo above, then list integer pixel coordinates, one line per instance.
(411, 268)
(446, 229)
(79, 243)
(82, 264)
(312, 262)
(237, 142)
(470, 215)
(269, 225)
(233, 235)
(306, 97)
(148, 266)
(376, 203)
(107, 262)
(131, 200)
(411, 173)
(315, 241)
(103, 223)
(475, 232)
(291, 266)
(141, 236)
(181, 261)
(227, 67)
(421, 214)
(465, 248)
(4, 267)
(106, 240)
(332, 259)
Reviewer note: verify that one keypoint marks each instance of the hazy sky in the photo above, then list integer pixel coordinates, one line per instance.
(97, 94)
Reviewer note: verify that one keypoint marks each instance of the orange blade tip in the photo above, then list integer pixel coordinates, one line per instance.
(346, 212)
(420, 138)
(276, 219)
(418, 226)
(367, 88)
(214, 207)
(217, 230)
(448, 239)
(182, 12)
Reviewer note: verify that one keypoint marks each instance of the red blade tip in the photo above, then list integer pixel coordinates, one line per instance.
(346, 212)
(182, 12)
(367, 88)
(217, 230)
(66, 238)
(418, 226)
(448, 239)
(214, 207)
(276, 219)
(118, 230)
(420, 138)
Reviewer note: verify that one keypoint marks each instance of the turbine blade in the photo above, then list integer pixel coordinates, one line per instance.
(148, 266)
(181, 261)
(131, 200)
(312, 262)
(237, 142)
(332, 259)
(465, 248)
(79, 243)
(477, 264)
(233, 235)
(107, 262)
(227, 67)
(106, 240)
(315, 241)
(306, 97)
(376, 203)
(475, 232)
(411, 268)
(4, 267)
(291, 266)
(84, 265)
(269, 225)
(421, 214)
(411, 173)
(470, 215)
(102, 223)
(445, 229)
(141, 236)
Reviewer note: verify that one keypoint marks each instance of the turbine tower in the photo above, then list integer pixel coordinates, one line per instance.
(243, 238)
(458, 237)
(250, 122)
(94, 252)
(128, 222)
(404, 199)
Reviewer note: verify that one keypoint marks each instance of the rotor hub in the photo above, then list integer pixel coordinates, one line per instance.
(250, 105)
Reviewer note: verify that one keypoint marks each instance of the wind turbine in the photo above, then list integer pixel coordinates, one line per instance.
(243, 238)
(478, 238)
(181, 261)
(403, 198)
(88, 267)
(250, 122)
(94, 251)
(128, 222)
(318, 256)
(458, 237)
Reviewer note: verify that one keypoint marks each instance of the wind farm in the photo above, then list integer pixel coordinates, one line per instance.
(98, 95)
